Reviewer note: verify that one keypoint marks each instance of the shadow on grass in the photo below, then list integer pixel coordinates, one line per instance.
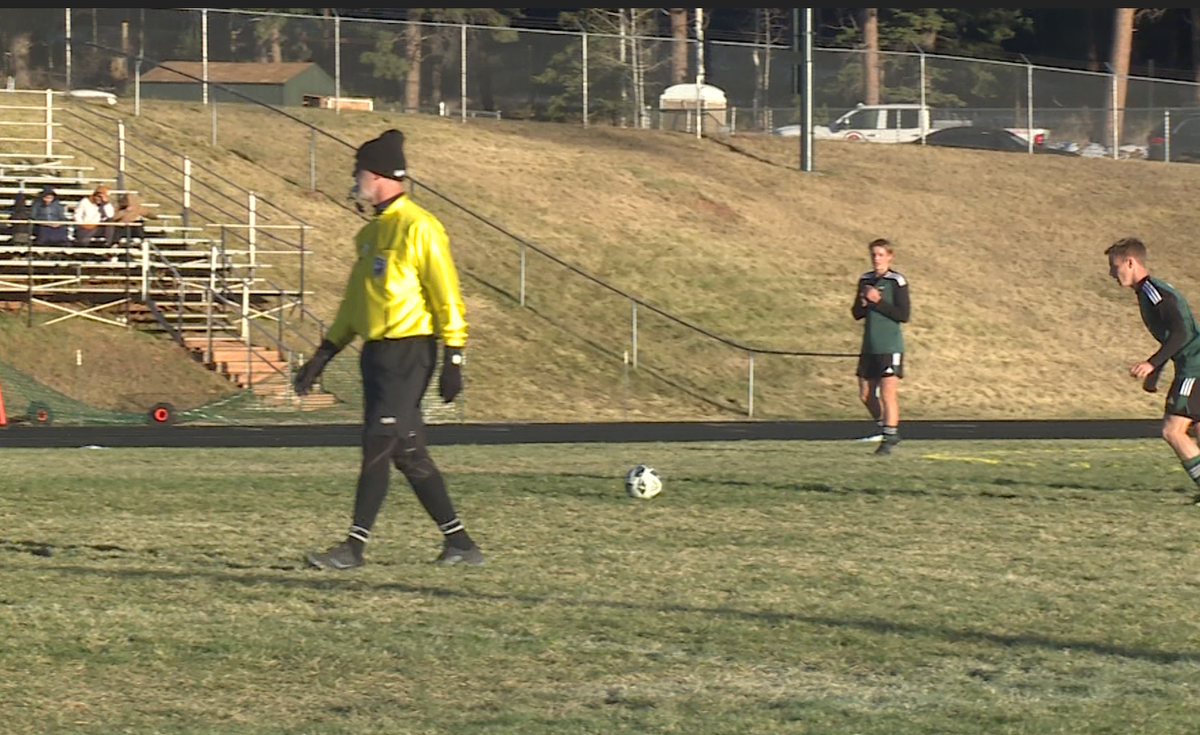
(321, 581)
(540, 480)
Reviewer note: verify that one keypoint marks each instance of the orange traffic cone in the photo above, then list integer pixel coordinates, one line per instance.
(3, 417)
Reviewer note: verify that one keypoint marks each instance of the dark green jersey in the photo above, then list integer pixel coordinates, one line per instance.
(881, 332)
(1169, 318)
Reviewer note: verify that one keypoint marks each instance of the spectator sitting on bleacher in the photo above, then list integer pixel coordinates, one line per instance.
(49, 209)
(90, 215)
(131, 217)
(22, 209)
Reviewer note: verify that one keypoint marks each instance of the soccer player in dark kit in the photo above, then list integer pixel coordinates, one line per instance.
(1169, 318)
(881, 301)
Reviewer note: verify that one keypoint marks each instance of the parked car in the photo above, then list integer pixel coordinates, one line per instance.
(1185, 139)
(894, 123)
(989, 139)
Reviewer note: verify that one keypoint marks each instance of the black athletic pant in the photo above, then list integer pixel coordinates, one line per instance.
(395, 376)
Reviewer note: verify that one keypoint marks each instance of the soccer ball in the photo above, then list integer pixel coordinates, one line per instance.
(643, 482)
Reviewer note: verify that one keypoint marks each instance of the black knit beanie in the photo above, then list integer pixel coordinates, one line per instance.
(383, 155)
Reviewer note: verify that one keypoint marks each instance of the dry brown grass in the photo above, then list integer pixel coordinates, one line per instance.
(1014, 315)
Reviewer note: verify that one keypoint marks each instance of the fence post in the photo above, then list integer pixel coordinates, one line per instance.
(1166, 136)
(462, 92)
(145, 270)
(187, 189)
(68, 29)
(252, 221)
(245, 320)
(750, 399)
(137, 85)
(634, 345)
(586, 102)
(337, 62)
(50, 120)
(1115, 135)
(303, 228)
(212, 289)
(522, 285)
(204, 55)
(120, 154)
(312, 159)
(924, 114)
(1028, 102)
(29, 283)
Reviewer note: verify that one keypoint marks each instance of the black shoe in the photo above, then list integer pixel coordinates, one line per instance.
(885, 446)
(450, 555)
(1196, 499)
(336, 558)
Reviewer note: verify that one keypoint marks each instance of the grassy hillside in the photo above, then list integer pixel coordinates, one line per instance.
(1014, 315)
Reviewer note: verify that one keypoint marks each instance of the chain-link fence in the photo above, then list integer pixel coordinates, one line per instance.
(468, 71)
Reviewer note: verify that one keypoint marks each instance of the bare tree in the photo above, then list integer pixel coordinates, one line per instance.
(1122, 48)
(770, 25)
(871, 62)
(679, 45)
(19, 47)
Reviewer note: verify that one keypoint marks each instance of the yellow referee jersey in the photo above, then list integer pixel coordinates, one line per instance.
(404, 283)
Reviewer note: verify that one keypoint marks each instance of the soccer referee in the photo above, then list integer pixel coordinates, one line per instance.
(402, 294)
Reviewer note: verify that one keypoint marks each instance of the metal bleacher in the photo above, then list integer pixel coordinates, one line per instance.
(200, 277)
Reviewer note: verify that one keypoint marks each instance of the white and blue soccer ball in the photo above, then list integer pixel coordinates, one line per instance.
(643, 482)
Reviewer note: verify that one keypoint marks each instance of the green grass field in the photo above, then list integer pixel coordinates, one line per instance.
(956, 587)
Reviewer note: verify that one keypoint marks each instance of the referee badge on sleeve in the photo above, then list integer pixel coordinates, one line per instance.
(378, 266)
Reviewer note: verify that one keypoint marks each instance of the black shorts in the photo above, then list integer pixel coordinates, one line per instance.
(395, 376)
(884, 365)
(1184, 398)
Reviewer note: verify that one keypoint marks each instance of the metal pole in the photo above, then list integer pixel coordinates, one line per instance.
(252, 221)
(212, 287)
(204, 55)
(462, 92)
(522, 274)
(699, 80)
(187, 188)
(137, 69)
(49, 123)
(301, 296)
(68, 48)
(303, 228)
(1166, 136)
(634, 333)
(120, 154)
(312, 159)
(337, 62)
(1029, 104)
(806, 137)
(750, 399)
(29, 282)
(1115, 134)
(585, 79)
(924, 108)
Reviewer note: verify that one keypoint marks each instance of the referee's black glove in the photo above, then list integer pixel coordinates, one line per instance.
(451, 382)
(307, 375)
